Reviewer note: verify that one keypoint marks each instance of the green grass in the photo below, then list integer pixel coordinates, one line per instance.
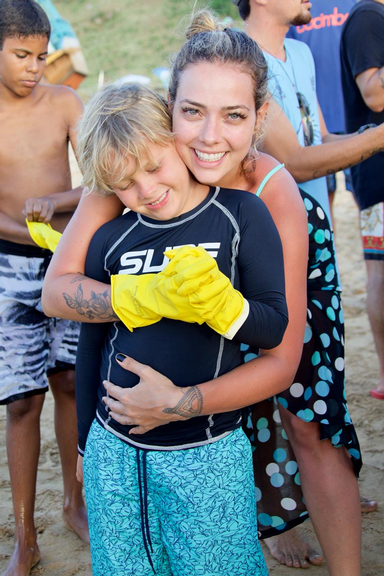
(121, 37)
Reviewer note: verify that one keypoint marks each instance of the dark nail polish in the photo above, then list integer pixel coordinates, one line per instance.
(120, 357)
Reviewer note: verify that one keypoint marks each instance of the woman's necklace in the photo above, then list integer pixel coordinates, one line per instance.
(288, 61)
(281, 64)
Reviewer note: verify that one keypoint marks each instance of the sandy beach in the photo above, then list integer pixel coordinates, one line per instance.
(63, 554)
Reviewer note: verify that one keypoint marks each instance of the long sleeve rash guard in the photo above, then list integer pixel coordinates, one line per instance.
(236, 228)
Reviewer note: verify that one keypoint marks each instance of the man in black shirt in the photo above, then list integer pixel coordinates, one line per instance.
(362, 64)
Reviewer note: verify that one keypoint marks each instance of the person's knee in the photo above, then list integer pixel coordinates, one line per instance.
(302, 435)
(63, 383)
(26, 408)
(375, 284)
(375, 276)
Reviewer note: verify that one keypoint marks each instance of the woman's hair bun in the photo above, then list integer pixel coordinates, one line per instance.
(203, 21)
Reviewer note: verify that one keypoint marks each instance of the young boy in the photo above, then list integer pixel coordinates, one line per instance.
(37, 123)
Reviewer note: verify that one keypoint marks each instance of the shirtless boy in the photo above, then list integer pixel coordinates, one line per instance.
(37, 124)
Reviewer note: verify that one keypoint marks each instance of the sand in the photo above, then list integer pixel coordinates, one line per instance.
(63, 554)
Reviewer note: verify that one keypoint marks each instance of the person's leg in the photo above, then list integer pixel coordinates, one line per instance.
(74, 511)
(207, 506)
(23, 447)
(375, 310)
(262, 424)
(372, 235)
(331, 494)
(116, 514)
(23, 383)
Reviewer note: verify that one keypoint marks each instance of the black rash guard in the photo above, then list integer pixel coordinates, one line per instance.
(236, 228)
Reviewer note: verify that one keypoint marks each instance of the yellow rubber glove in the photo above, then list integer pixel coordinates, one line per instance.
(222, 307)
(143, 300)
(190, 267)
(43, 235)
(127, 291)
(190, 288)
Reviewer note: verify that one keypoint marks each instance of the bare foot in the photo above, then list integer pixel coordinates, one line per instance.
(367, 505)
(289, 549)
(22, 561)
(76, 521)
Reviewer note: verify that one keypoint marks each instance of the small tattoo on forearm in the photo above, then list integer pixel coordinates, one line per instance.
(364, 156)
(370, 153)
(328, 172)
(190, 405)
(98, 307)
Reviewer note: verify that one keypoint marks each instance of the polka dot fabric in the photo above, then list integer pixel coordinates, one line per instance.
(316, 395)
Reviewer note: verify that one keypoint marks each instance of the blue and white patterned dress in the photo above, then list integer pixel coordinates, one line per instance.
(317, 393)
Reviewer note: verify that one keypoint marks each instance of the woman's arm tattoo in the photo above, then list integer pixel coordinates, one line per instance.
(98, 307)
(190, 405)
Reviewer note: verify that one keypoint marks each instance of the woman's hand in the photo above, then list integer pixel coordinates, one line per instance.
(153, 402)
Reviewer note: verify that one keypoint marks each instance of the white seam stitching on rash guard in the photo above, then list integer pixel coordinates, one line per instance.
(165, 226)
(110, 363)
(115, 245)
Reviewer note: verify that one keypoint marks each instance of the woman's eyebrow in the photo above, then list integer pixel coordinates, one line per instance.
(199, 105)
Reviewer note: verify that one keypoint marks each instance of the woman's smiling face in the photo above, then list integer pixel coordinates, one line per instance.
(214, 119)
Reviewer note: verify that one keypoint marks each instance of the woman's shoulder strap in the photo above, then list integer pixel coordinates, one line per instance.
(267, 177)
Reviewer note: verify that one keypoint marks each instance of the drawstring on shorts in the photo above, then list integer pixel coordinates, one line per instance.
(143, 488)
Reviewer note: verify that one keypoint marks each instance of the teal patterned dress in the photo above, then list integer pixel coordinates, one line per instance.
(317, 393)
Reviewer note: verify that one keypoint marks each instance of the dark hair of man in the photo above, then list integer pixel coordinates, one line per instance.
(22, 18)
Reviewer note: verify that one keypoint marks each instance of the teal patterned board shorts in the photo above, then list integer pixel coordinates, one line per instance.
(171, 513)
